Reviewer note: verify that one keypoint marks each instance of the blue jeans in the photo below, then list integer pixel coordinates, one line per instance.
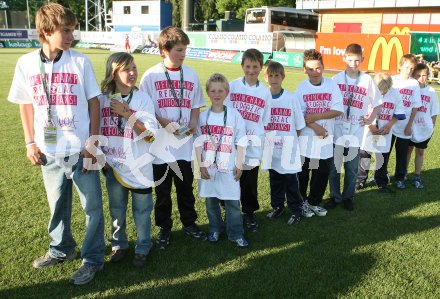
(234, 221)
(142, 205)
(350, 169)
(59, 174)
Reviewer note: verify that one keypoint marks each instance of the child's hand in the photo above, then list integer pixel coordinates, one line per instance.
(172, 127)
(89, 154)
(365, 121)
(34, 154)
(204, 173)
(408, 130)
(385, 130)
(320, 131)
(237, 173)
(120, 108)
(373, 129)
(310, 118)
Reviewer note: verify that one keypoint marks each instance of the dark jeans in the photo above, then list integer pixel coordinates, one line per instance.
(248, 192)
(285, 186)
(380, 174)
(320, 169)
(401, 156)
(184, 191)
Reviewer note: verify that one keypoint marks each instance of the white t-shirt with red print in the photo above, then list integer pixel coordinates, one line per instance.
(365, 97)
(168, 147)
(318, 99)
(253, 103)
(409, 91)
(281, 148)
(391, 104)
(422, 126)
(125, 151)
(72, 83)
(219, 151)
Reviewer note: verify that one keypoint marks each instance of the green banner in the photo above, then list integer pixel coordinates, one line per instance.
(237, 58)
(197, 40)
(22, 44)
(294, 59)
(426, 43)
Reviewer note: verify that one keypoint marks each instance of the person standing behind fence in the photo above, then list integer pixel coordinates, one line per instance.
(62, 148)
(361, 105)
(177, 97)
(252, 99)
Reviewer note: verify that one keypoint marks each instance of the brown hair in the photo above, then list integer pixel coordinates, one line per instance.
(274, 67)
(420, 67)
(115, 62)
(312, 54)
(52, 16)
(354, 49)
(253, 55)
(408, 57)
(171, 36)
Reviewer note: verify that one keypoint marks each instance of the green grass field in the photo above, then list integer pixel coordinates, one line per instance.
(388, 247)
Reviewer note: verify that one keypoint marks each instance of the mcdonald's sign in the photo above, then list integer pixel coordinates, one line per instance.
(382, 52)
(397, 31)
(387, 48)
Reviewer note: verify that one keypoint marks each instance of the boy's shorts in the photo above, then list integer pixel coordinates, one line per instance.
(421, 145)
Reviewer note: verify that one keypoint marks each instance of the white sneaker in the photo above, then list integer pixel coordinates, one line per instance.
(306, 212)
(85, 274)
(318, 210)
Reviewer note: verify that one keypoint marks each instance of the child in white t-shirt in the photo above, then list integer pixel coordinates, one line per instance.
(127, 122)
(321, 102)
(177, 98)
(377, 136)
(252, 99)
(409, 91)
(281, 148)
(221, 140)
(424, 122)
(361, 105)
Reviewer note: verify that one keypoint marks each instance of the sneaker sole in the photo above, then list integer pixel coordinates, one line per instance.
(56, 261)
(72, 281)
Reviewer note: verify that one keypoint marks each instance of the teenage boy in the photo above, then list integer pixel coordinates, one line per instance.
(51, 85)
(321, 102)
(177, 96)
(252, 99)
(361, 105)
(281, 149)
(409, 91)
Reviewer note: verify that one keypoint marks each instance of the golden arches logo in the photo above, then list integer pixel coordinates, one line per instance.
(397, 31)
(387, 48)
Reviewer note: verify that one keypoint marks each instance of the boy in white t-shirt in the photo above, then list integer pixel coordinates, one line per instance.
(361, 105)
(281, 149)
(221, 140)
(321, 102)
(377, 136)
(424, 122)
(409, 91)
(252, 99)
(177, 97)
(57, 92)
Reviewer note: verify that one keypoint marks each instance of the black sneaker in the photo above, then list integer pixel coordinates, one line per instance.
(330, 204)
(294, 219)
(249, 221)
(163, 239)
(194, 231)
(348, 204)
(275, 213)
(361, 185)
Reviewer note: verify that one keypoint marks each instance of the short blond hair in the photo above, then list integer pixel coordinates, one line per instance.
(51, 17)
(216, 77)
(383, 81)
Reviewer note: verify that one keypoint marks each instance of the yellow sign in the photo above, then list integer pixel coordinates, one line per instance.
(387, 48)
(396, 31)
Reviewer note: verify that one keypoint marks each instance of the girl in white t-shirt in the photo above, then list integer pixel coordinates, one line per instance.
(220, 143)
(423, 125)
(127, 123)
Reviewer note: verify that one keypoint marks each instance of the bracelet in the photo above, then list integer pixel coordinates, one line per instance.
(30, 143)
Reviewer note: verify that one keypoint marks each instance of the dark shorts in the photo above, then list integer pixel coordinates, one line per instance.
(421, 145)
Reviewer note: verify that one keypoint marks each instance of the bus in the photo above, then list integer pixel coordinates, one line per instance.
(272, 19)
